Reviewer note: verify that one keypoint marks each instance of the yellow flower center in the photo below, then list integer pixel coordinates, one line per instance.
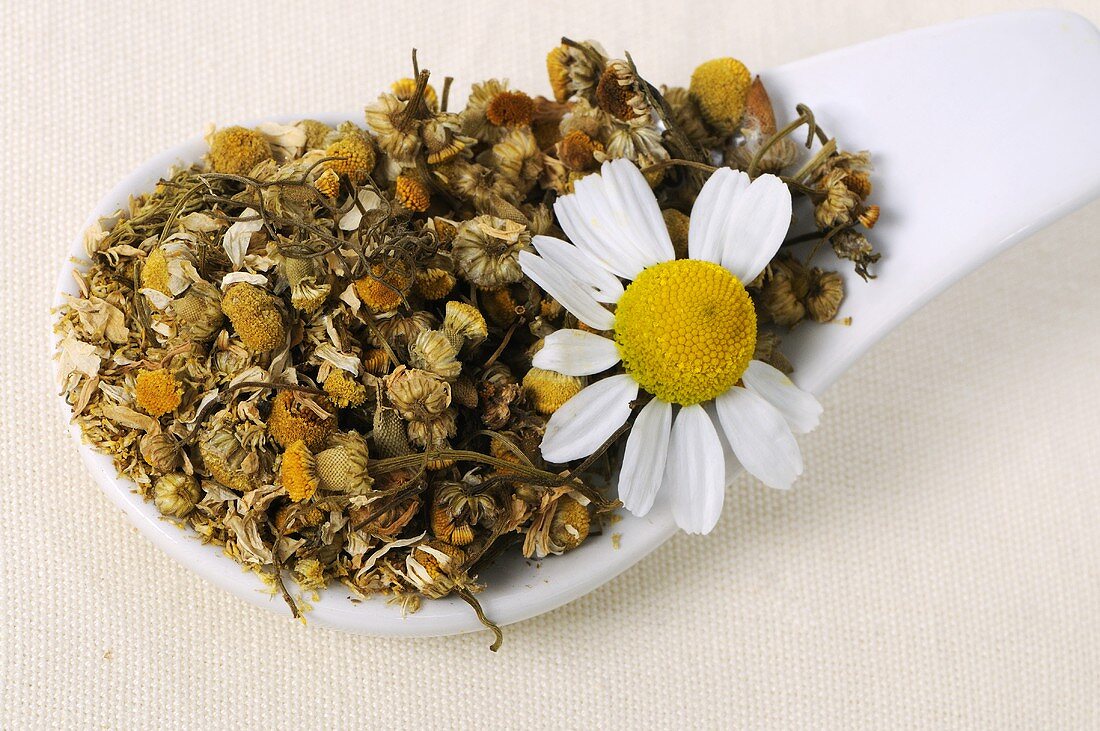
(686, 330)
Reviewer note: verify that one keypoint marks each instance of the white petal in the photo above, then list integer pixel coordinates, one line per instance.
(801, 410)
(624, 182)
(644, 459)
(756, 227)
(608, 287)
(563, 286)
(759, 437)
(695, 471)
(712, 208)
(587, 420)
(610, 219)
(576, 353)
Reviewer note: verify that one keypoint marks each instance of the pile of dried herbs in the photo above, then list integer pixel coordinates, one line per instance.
(313, 348)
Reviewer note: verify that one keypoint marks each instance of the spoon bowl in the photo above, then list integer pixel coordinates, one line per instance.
(982, 133)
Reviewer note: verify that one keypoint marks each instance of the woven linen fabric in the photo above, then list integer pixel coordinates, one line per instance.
(938, 565)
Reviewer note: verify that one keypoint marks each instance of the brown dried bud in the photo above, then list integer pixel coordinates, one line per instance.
(176, 494)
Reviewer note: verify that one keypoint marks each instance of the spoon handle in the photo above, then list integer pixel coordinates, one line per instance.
(982, 132)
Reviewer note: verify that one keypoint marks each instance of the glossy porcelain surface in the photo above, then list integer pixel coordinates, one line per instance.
(982, 131)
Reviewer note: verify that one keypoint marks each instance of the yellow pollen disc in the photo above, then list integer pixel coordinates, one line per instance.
(686, 330)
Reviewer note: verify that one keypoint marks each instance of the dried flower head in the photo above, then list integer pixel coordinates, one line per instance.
(493, 108)
(328, 183)
(175, 494)
(236, 150)
(228, 460)
(826, 290)
(434, 283)
(199, 311)
(577, 151)
(575, 71)
(255, 316)
(390, 435)
(157, 392)
(396, 132)
(435, 568)
(838, 203)
(354, 152)
(154, 274)
(400, 329)
(412, 193)
(619, 93)
(376, 361)
(417, 395)
(487, 248)
(384, 289)
(294, 418)
(719, 88)
(517, 158)
(442, 138)
(464, 323)
(570, 524)
(784, 293)
(315, 132)
(299, 472)
(343, 390)
(342, 465)
(677, 224)
(404, 89)
(548, 390)
(869, 216)
(307, 291)
(161, 452)
(434, 352)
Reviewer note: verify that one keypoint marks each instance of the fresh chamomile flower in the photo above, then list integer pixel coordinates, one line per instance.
(684, 331)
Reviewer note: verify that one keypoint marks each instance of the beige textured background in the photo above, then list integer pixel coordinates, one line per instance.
(937, 566)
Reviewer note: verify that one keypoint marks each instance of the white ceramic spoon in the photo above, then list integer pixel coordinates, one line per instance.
(982, 132)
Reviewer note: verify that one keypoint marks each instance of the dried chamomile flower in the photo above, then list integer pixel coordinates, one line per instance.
(547, 391)
(577, 151)
(570, 525)
(355, 152)
(434, 352)
(157, 392)
(299, 472)
(342, 465)
(826, 290)
(292, 419)
(255, 315)
(199, 311)
(412, 193)
(433, 434)
(400, 329)
(343, 390)
(482, 187)
(767, 350)
(435, 568)
(677, 224)
(499, 306)
(464, 323)
(307, 291)
(457, 508)
(719, 88)
(434, 283)
(396, 131)
(441, 135)
(225, 457)
(309, 574)
(619, 92)
(641, 144)
(517, 158)
(236, 150)
(838, 204)
(315, 132)
(154, 274)
(384, 288)
(574, 70)
(161, 452)
(404, 89)
(417, 395)
(169, 268)
(493, 108)
(854, 246)
(328, 183)
(487, 248)
(176, 494)
(784, 293)
(376, 361)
